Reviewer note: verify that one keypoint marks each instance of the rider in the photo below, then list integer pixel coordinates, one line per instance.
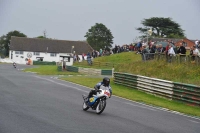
(105, 82)
(14, 64)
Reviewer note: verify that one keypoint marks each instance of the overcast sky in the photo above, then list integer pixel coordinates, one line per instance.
(71, 19)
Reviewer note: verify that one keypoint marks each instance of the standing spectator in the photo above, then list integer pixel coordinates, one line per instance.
(152, 51)
(166, 51)
(89, 58)
(144, 52)
(93, 54)
(196, 51)
(196, 43)
(198, 46)
(100, 52)
(77, 58)
(139, 45)
(162, 49)
(83, 56)
(116, 48)
(191, 54)
(157, 49)
(182, 52)
(171, 53)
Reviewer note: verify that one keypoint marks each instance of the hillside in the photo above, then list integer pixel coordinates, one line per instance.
(129, 62)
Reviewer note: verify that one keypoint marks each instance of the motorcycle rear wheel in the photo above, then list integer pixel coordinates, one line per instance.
(101, 106)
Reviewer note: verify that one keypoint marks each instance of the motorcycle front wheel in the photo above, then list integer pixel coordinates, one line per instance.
(101, 106)
(85, 107)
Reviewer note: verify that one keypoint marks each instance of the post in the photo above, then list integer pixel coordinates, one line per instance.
(72, 49)
(149, 33)
(113, 69)
(147, 39)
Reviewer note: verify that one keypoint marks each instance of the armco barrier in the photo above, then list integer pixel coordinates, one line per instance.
(90, 71)
(59, 68)
(43, 63)
(106, 72)
(72, 69)
(171, 90)
(187, 93)
(155, 86)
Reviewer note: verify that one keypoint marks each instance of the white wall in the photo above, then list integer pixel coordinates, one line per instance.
(20, 58)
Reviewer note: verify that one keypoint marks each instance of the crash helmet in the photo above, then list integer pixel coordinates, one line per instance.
(106, 81)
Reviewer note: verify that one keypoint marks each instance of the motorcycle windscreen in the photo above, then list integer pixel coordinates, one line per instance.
(92, 100)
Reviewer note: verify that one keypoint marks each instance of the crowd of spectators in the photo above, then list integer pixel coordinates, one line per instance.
(143, 48)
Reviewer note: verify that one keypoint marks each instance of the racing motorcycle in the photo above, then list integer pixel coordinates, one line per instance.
(14, 64)
(97, 102)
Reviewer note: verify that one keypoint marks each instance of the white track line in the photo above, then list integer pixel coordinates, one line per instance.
(60, 84)
(140, 106)
(194, 121)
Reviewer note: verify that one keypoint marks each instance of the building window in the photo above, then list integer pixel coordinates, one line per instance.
(19, 52)
(36, 53)
(16, 52)
(53, 54)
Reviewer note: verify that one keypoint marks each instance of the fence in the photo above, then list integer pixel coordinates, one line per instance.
(171, 90)
(72, 69)
(90, 71)
(43, 63)
(98, 64)
(188, 59)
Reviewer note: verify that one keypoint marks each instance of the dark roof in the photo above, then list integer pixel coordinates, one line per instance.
(48, 45)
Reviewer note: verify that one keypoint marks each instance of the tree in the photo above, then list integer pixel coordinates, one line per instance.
(42, 37)
(98, 36)
(161, 27)
(5, 40)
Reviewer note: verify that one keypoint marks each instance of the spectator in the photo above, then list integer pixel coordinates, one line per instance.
(182, 52)
(89, 58)
(93, 54)
(152, 51)
(166, 51)
(198, 46)
(170, 53)
(144, 52)
(83, 56)
(196, 43)
(191, 54)
(100, 52)
(196, 51)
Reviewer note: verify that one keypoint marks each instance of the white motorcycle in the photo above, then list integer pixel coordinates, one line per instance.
(97, 102)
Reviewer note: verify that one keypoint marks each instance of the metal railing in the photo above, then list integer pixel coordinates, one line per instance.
(171, 90)
(89, 71)
(97, 64)
(178, 58)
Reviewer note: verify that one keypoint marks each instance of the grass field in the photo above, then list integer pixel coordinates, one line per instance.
(49, 70)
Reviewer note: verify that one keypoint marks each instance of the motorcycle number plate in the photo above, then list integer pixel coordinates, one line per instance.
(91, 99)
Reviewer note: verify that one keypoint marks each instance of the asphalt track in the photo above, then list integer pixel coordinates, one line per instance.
(30, 103)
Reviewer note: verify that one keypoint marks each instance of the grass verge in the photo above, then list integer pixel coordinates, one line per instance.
(139, 96)
(49, 70)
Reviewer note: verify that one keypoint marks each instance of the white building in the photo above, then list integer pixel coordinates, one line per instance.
(22, 49)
